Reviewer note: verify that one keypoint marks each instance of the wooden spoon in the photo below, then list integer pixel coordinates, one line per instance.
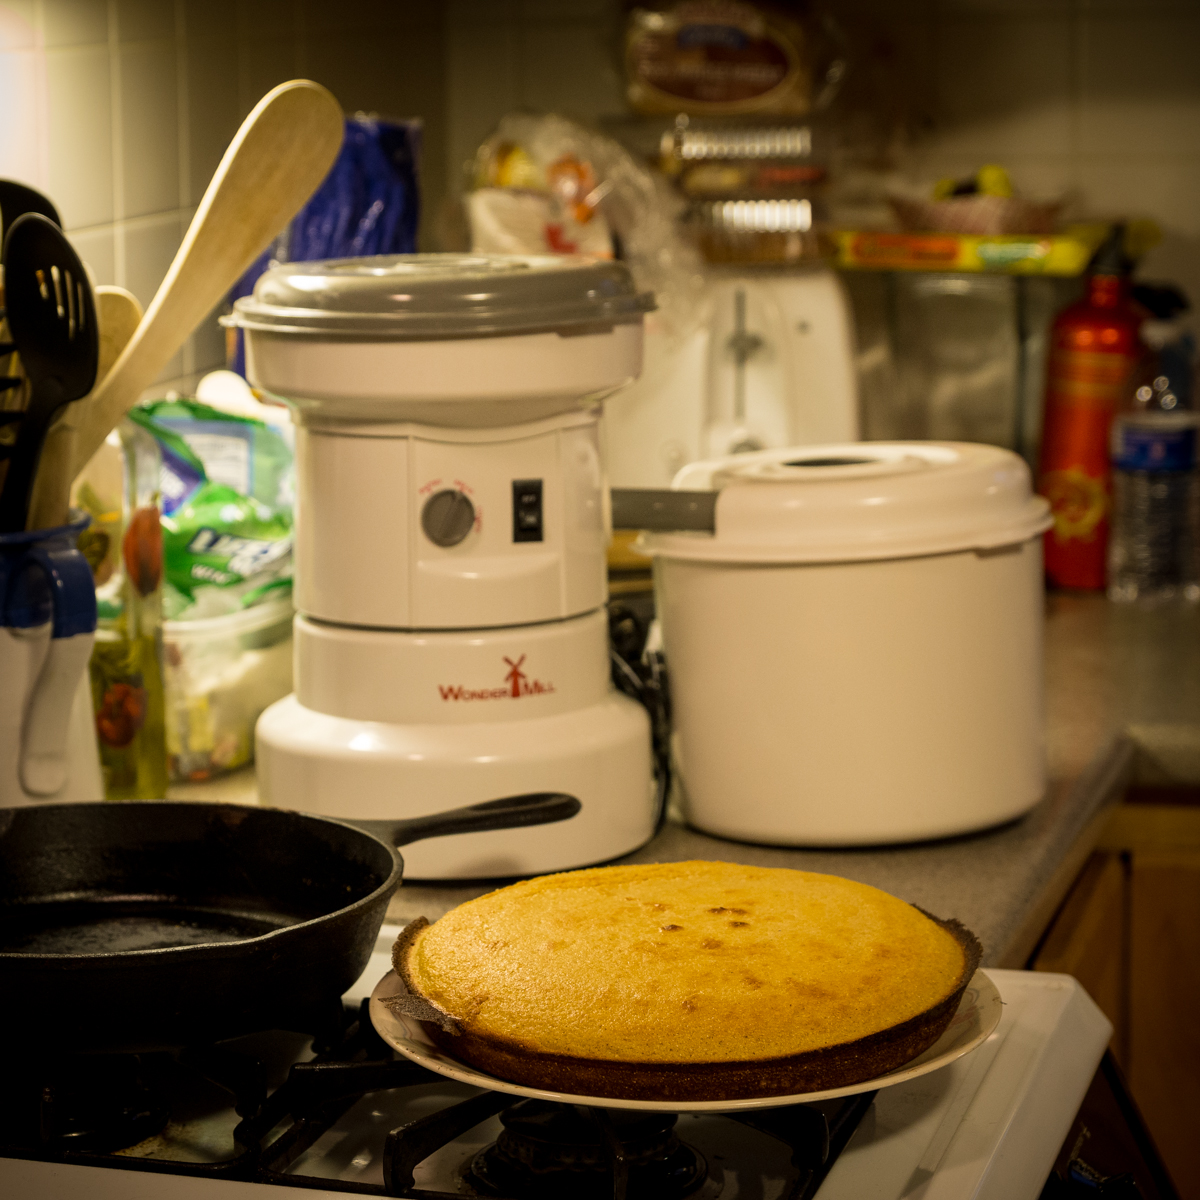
(280, 155)
(118, 315)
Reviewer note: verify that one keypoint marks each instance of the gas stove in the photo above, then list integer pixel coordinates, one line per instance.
(336, 1112)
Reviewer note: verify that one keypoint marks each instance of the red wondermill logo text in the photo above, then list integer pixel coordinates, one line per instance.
(518, 685)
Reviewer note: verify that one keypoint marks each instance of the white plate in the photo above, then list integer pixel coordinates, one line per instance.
(978, 1014)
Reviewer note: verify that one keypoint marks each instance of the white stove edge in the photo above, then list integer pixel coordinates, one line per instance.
(944, 1136)
(989, 1126)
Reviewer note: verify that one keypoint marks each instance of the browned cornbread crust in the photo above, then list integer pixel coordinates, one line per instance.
(840, 1063)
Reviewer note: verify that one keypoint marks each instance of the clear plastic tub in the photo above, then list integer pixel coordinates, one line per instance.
(221, 672)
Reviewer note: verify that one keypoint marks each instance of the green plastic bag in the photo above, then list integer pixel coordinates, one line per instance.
(225, 547)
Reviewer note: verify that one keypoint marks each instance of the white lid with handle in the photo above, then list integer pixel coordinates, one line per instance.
(858, 501)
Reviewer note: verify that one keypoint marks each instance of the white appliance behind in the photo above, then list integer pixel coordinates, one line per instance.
(788, 335)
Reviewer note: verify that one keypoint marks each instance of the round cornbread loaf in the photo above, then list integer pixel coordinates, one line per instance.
(686, 981)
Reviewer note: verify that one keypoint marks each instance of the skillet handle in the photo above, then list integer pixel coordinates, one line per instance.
(538, 808)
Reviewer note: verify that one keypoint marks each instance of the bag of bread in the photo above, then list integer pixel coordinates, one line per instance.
(725, 57)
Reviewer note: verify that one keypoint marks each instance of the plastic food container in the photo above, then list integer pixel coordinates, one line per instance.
(856, 651)
(220, 673)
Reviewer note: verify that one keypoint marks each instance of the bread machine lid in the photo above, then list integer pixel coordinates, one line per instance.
(431, 297)
(859, 501)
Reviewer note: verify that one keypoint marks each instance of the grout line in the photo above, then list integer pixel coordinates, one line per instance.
(118, 144)
(241, 61)
(300, 32)
(183, 213)
(183, 100)
(1079, 28)
(151, 43)
(41, 101)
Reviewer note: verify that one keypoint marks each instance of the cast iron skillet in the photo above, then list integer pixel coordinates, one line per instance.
(140, 925)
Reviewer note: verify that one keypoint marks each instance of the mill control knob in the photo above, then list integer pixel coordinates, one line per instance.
(447, 518)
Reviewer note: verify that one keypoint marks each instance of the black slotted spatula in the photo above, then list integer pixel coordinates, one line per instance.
(52, 323)
(15, 201)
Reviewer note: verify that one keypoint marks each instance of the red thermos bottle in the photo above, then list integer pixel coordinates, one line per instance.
(1093, 348)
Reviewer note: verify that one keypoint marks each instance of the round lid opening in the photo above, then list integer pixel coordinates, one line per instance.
(832, 467)
(429, 297)
(827, 462)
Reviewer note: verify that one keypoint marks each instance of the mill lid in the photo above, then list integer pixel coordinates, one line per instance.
(859, 501)
(431, 297)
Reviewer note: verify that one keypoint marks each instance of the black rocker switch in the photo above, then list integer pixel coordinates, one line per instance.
(527, 510)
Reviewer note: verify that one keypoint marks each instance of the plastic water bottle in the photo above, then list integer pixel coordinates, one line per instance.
(1154, 550)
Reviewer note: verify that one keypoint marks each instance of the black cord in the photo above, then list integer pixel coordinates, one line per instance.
(643, 677)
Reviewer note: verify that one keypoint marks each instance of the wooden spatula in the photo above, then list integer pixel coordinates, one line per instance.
(280, 155)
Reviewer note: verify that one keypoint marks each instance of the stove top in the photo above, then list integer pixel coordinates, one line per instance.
(339, 1113)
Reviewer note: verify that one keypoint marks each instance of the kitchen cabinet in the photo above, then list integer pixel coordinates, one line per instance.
(1129, 931)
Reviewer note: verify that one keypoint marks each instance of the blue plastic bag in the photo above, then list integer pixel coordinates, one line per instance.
(368, 204)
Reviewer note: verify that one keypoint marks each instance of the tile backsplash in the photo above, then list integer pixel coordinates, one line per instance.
(121, 109)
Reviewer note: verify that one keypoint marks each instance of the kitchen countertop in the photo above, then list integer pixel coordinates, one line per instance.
(1123, 701)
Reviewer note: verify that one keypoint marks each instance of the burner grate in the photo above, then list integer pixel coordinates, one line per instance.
(96, 1104)
(595, 1153)
(543, 1149)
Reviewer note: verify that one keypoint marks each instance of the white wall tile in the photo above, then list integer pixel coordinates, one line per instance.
(319, 17)
(1003, 86)
(564, 10)
(569, 69)
(211, 19)
(471, 14)
(17, 21)
(848, 11)
(145, 20)
(22, 90)
(150, 127)
(264, 63)
(182, 383)
(1140, 87)
(1176, 260)
(172, 371)
(1001, 7)
(79, 135)
(481, 86)
(267, 18)
(1165, 188)
(150, 245)
(75, 22)
(96, 248)
(213, 108)
(1138, 7)
(361, 72)
(208, 344)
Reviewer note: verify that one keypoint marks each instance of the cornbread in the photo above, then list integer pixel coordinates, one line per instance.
(692, 980)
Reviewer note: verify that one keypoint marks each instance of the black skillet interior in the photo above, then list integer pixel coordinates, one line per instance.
(138, 926)
(103, 879)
